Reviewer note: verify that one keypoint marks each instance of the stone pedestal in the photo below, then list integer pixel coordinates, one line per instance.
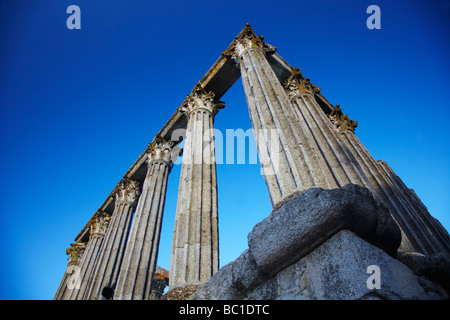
(322, 245)
(180, 293)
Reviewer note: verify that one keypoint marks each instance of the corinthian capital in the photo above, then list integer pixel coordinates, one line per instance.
(75, 252)
(342, 121)
(200, 99)
(246, 40)
(161, 150)
(297, 84)
(128, 191)
(99, 223)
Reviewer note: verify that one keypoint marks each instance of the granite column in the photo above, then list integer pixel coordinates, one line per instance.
(98, 226)
(290, 153)
(195, 245)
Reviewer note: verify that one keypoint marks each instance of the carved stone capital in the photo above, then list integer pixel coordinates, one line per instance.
(75, 252)
(342, 121)
(297, 84)
(128, 191)
(200, 99)
(247, 40)
(161, 150)
(99, 223)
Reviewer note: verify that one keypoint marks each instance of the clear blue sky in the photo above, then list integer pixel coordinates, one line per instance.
(79, 106)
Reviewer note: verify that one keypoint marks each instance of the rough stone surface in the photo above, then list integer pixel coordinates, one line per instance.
(180, 293)
(235, 280)
(246, 273)
(435, 267)
(336, 270)
(310, 218)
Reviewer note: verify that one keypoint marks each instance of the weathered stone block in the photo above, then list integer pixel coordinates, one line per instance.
(435, 267)
(338, 270)
(319, 245)
(246, 274)
(180, 293)
(310, 218)
(235, 280)
(220, 287)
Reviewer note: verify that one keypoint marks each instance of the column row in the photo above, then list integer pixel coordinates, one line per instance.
(300, 146)
(119, 259)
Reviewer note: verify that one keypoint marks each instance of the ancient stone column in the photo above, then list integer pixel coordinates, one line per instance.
(288, 141)
(98, 226)
(113, 248)
(139, 262)
(195, 245)
(71, 277)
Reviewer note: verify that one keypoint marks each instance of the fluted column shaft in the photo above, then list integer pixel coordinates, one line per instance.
(336, 160)
(195, 245)
(266, 104)
(436, 237)
(113, 247)
(415, 237)
(98, 227)
(383, 191)
(139, 262)
(289, 141)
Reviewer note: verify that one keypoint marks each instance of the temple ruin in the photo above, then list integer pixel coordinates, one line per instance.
(334, 206)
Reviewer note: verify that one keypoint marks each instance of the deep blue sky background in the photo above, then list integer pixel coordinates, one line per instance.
(79, 106)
